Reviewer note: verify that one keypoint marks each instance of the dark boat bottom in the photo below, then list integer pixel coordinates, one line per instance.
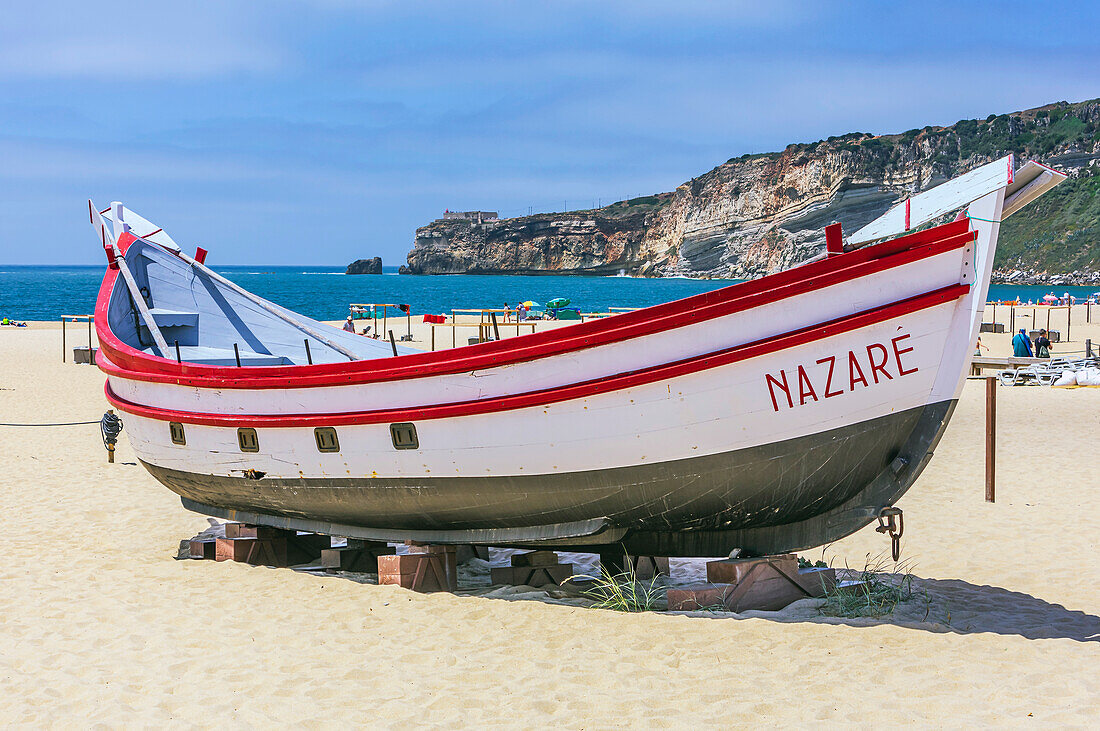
(790, 495)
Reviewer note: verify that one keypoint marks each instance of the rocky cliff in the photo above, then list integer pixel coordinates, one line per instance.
(758, 214)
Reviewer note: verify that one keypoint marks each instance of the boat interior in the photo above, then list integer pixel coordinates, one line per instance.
(206, 318)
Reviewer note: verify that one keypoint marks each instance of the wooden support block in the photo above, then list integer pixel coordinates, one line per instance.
(767, 593)
(532, 575)
(817, 581)
(768, 583)
(306, 547)
(417, 571)
(449, 556)
(206, 549)
(244, 530)
(254, 551)
(734, 570)
(362, 560)
(698, 596)
(649, 567)
(613, 560)
(535, 558)
(465, 552)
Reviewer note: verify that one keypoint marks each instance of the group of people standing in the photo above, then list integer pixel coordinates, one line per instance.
(521, 312)
(1022, 345)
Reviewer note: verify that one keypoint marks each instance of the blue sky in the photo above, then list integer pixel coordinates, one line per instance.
(320, 131)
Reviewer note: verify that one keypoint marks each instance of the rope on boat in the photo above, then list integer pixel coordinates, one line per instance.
(987, 220)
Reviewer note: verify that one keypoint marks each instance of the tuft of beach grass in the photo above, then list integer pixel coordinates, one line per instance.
(621, 592)
(873, 591)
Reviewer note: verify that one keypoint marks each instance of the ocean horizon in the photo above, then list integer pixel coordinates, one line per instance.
(46, 292)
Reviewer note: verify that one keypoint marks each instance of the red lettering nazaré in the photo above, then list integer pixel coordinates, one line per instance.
(805, 388)
(853, 368)
(877, 368)
(831, 360)
(782, 387)
(898, 353)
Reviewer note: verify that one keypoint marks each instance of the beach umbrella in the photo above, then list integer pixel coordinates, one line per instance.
(1050, 298)
(531, 303)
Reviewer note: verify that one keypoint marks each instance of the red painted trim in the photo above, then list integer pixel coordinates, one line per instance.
(560, 393)
(126, 362)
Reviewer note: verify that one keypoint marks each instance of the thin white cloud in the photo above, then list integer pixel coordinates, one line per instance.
(119, 42)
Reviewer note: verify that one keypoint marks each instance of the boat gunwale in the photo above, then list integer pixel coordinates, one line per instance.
(544, 397)
(125, 361)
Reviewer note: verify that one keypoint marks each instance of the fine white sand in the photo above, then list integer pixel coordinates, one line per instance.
(100, 626)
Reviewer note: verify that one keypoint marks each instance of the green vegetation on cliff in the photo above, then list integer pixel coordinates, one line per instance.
(1059, 232)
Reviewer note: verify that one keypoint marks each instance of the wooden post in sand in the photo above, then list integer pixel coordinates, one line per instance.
(1012, 319)
(1069, 316)
(990, 439)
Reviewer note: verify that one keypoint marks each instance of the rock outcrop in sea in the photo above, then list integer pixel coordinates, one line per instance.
(365, 266)
(758, 214)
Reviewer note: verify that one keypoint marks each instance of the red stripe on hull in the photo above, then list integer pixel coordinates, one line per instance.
(562, 393)
(125, 361)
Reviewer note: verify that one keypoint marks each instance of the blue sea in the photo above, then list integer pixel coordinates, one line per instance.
(324, 293)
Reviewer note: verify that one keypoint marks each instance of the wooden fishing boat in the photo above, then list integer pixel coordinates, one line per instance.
(772, 415)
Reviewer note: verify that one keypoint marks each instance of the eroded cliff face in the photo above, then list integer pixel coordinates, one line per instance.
(759, 214)
(603, 241)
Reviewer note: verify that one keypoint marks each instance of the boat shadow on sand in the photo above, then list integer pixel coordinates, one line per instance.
(953, 605)
(934, 605)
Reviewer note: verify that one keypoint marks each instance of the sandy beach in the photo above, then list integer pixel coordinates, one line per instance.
(100, 625)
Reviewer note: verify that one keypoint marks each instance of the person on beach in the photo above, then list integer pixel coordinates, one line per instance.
(1042, 345)
(1021, 345)
(521, 312)
(978, 347)
(349, 326)
(507, 312)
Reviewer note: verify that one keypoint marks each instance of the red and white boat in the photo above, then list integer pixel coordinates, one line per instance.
(772, 415)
